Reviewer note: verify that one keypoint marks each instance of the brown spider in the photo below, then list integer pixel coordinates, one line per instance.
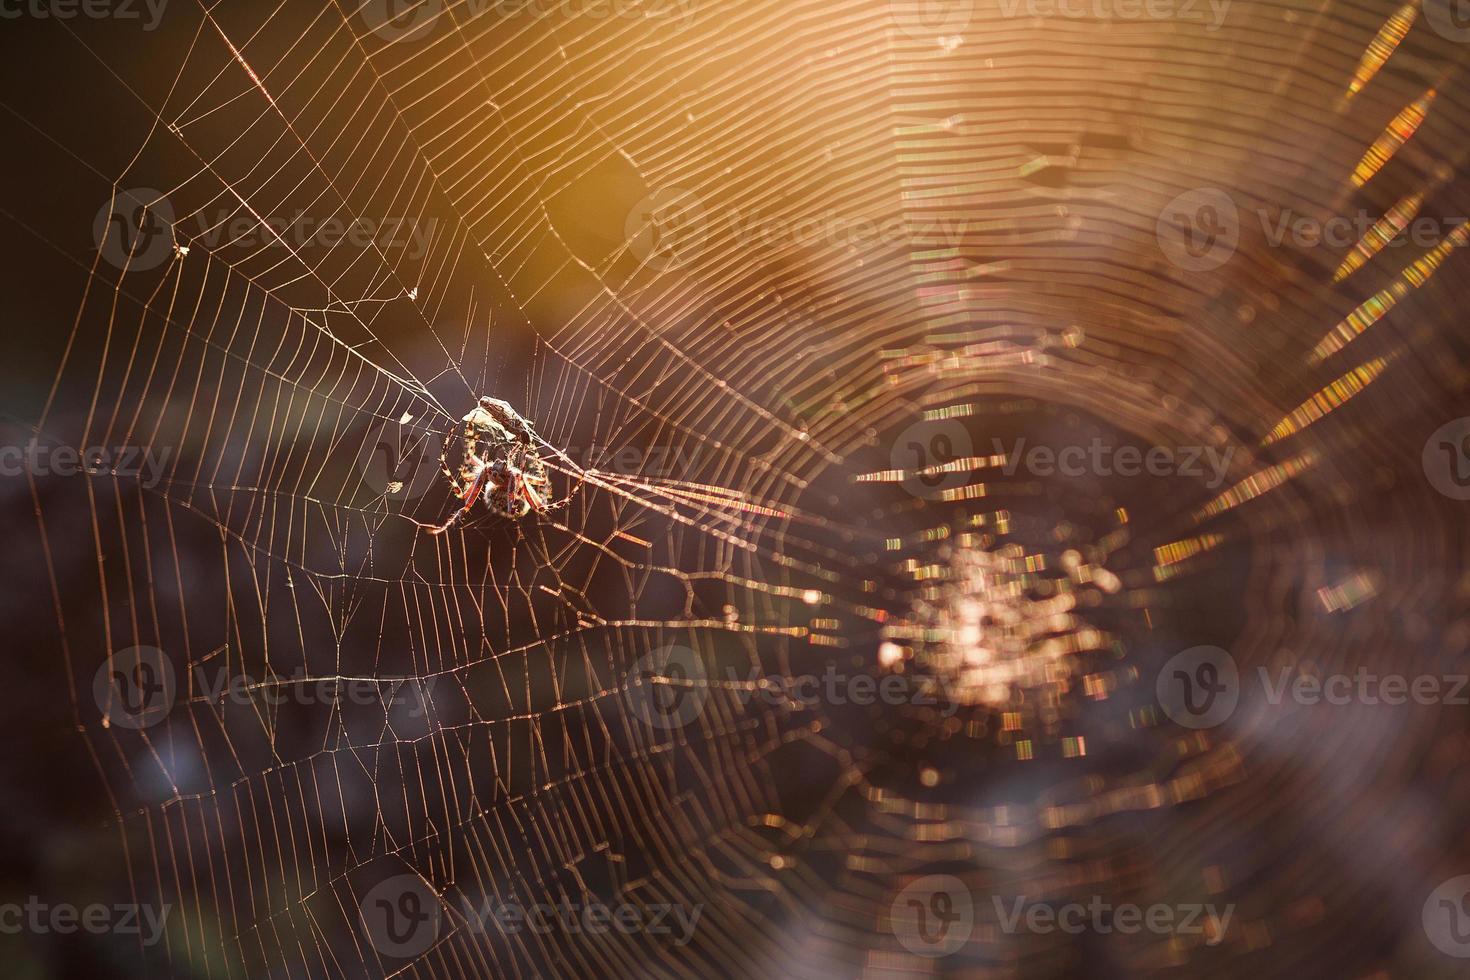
(495, 461)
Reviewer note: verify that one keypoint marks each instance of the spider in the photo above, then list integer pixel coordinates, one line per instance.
(491, 457)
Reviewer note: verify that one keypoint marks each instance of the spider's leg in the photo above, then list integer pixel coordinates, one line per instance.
(532, 497)
(472, 495)
(454, 519)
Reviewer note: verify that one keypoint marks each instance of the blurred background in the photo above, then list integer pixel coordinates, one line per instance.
(1008, 464)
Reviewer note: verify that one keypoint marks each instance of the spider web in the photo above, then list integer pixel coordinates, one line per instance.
(602, 226)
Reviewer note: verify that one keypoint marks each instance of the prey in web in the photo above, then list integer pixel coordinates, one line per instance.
(490, 460)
